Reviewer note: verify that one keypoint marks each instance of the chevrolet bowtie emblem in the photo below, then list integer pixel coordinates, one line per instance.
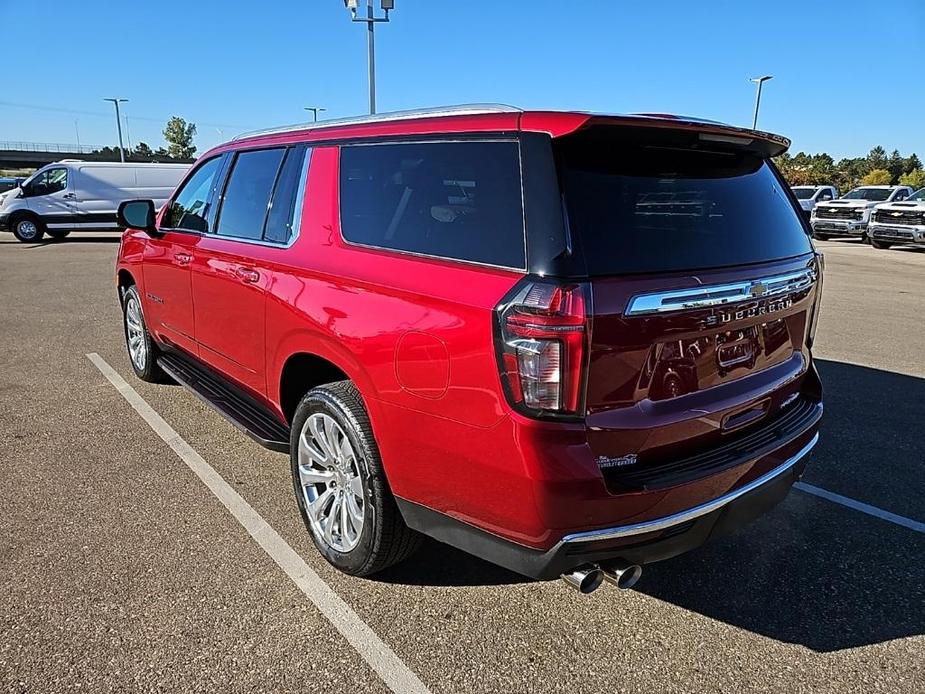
(758, 289)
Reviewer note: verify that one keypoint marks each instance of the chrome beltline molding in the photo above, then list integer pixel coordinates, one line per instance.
(691, 513)
(719, 294)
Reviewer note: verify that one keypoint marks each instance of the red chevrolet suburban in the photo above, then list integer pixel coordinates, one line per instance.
(570, 344)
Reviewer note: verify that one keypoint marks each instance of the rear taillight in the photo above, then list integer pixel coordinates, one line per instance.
(542, 338)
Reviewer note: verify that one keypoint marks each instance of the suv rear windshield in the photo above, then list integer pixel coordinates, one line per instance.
(670, 206)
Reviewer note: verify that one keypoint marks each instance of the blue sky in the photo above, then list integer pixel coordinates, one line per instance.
(848, 74)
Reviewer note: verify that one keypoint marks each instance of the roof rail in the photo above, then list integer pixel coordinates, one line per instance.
(461, 110)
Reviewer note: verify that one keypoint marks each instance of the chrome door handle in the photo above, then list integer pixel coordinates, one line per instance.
(69, 196)
(247, 275)
(183, 258)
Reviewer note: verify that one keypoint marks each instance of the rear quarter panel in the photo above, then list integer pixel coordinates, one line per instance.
(415, 334)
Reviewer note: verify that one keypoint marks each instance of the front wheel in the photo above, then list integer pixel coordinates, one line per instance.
(28, 229)
(142, 352)
(340, 486)
(882, 245)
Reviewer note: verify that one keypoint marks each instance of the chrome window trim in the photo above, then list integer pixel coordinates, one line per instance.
(415, 254)
(719, 294)
(690, 514)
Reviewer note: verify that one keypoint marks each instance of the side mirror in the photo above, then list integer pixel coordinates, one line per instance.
(138, 214)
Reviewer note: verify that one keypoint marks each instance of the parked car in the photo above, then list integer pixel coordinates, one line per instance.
(895, 223)
(810, 196)
(850, 214)
(75, 195)
(475, 324)
(7, 185)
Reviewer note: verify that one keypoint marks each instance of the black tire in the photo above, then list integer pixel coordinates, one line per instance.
(384, 539)
(146, 370)
(27, 228)
(881, 245)
(820, 236)
(57, 234)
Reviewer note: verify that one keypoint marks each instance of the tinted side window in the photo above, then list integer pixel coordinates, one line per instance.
(283, 214)
(450, 199)
(189, 208)
(246, 201)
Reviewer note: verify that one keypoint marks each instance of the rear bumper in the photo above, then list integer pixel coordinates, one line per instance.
(895, 233)
(644, 542)
(840, 227)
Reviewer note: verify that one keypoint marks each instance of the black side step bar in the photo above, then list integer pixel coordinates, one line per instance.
(245, 413)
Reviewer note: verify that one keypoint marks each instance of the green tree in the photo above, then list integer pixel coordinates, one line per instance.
(877, 177)
(895, 165)
(912, 163)
(143, 150)
(877, 159)
(179, 136)
(915, 179)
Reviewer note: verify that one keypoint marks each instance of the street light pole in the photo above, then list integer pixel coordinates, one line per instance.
(315, 111)
(759, 81)
(371, 20)
(116, 103)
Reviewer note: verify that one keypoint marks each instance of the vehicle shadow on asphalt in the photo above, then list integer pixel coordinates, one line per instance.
(437, 564)
(83, 239)
(813, 572)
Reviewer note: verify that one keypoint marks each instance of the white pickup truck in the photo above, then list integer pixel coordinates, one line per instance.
(810, 196)
(850, 214)
(898, 223)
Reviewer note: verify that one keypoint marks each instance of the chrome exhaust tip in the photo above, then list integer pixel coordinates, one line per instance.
(621, 574)
(585, 579)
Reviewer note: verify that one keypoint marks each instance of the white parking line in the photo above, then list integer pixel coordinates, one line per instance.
(396, 675)
(861, 506)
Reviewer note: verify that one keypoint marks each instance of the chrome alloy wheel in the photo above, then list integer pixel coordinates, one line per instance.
(331, 482)
(135, 333)
(27, 229)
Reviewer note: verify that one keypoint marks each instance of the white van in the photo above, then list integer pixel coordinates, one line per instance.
(73, 195)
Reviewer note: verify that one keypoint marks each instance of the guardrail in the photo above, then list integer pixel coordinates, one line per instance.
(56, 147)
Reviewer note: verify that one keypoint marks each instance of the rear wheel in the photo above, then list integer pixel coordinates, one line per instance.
(28, 229)
(142, 352)
(341, 489)
(882, 245)
(58, 234)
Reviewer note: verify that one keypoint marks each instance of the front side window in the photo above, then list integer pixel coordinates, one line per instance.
(918, 195)
(189, 208)
(48, 182)
(459, 200)
(804, 193)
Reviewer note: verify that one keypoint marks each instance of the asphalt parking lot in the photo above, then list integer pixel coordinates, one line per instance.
(120, 570)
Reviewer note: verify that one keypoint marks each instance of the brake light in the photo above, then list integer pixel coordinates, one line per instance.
(542, 338)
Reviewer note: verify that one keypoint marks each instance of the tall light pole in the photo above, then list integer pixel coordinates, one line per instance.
(759, 81)
(116, 103)
(315, 111)
(371, 21)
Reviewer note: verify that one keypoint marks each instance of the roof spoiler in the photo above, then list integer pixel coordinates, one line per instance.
(764, 143)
